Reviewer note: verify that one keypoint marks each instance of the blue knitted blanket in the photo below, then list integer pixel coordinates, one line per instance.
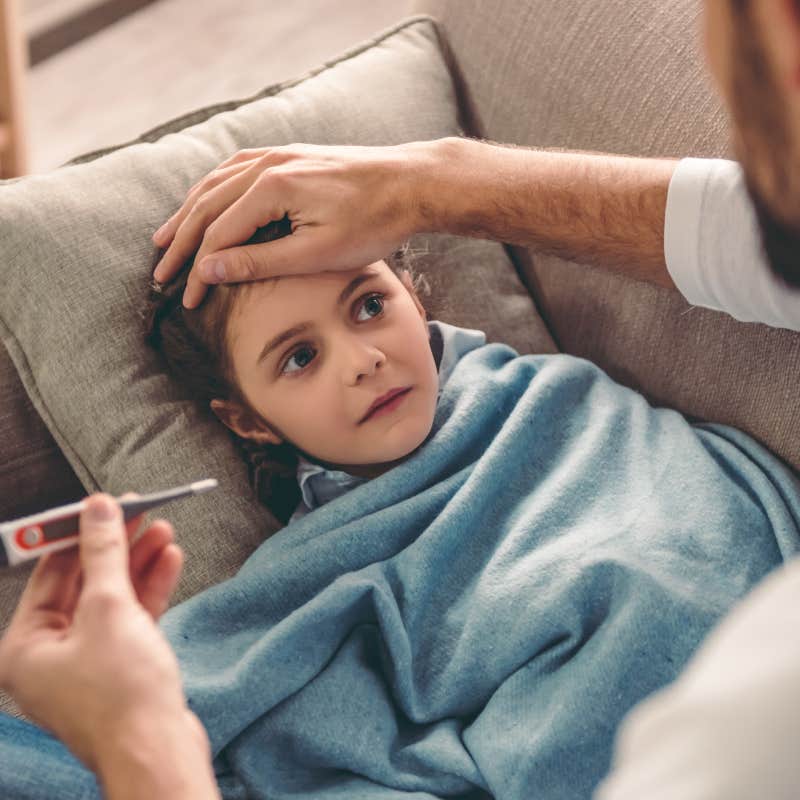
(476, 621)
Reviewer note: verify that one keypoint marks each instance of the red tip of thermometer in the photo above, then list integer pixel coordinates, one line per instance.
(32, 536)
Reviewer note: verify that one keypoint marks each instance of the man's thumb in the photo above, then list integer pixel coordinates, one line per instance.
(103, 544)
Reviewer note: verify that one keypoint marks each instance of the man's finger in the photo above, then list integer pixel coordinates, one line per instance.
(51, 586)
(187, 227)
(103, 544)
(48, 584)
(134, 523)
(299, 253)
(153, 540)
(159, 578)
(236, 224)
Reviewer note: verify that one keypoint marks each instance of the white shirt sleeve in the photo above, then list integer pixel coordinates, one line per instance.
(729, 727)
(713, 249)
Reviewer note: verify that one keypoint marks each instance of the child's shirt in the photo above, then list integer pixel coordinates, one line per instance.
(319, 485)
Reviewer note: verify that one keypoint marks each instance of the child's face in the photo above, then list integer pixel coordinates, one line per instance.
(314, 389)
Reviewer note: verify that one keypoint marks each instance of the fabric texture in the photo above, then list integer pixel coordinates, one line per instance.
(77, 259)
(476, 621)
(625, 77)
(713, 250)
(728, 728)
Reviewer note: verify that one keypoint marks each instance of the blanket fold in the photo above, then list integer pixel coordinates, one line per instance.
(475, 622)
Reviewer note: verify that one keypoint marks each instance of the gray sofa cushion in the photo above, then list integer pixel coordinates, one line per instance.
(623, 77)
(77, 256)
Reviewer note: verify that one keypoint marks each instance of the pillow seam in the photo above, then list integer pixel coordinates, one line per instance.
(205, 113)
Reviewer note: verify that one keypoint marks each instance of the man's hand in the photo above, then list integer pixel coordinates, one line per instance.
(348, 206)
(83, 654)
(351, 206)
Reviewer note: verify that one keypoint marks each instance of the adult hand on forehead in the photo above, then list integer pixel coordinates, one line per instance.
(348, 206)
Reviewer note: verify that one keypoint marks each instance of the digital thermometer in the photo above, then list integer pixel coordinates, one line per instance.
(32, 536)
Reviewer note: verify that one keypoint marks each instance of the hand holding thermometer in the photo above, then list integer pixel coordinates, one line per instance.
(33, 536)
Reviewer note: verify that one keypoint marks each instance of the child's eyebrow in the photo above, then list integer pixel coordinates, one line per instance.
(278, 340)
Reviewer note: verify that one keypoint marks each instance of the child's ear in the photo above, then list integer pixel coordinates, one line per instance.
(242, 422)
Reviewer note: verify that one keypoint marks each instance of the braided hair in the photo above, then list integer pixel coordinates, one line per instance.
(194, 345)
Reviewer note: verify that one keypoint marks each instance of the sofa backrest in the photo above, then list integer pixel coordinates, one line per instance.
(625, 77)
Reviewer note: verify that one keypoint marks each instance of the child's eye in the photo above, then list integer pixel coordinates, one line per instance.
(301, 349)
(304, 348)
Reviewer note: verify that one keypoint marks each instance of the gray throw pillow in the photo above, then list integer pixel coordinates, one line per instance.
(76, 259)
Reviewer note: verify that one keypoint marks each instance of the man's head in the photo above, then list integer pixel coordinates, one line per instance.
(752, 49)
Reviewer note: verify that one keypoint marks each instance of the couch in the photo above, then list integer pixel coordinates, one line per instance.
(622, 76)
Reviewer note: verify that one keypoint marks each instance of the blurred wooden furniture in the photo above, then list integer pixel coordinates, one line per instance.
(13, 66)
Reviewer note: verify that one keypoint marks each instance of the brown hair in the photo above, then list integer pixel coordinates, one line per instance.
(195, 346)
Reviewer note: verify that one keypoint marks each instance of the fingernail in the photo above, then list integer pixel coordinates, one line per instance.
(185, 302)
(213, 270)
(157, 272)
(101, 509)
(158, 236)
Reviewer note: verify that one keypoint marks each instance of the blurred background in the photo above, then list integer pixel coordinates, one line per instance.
(78, 75)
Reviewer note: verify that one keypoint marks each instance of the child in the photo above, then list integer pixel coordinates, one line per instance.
(299, 423)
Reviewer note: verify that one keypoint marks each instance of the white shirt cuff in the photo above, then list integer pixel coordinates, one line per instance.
(713, 248)
(685, 196)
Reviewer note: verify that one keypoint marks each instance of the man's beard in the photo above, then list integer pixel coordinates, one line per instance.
(780, 241)
(762, 127)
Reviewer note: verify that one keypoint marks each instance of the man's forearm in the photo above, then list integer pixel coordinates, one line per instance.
(601, 209)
